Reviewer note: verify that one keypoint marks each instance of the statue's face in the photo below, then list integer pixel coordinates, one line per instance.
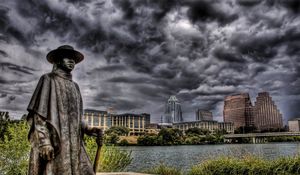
(67, 64)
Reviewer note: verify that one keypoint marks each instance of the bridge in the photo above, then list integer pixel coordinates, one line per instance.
(258, 137)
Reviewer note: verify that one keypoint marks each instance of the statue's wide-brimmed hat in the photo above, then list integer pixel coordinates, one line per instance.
(63, 52)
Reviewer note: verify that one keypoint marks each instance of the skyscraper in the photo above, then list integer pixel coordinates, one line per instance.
(238, 110)
(266, 113)
(173, 113)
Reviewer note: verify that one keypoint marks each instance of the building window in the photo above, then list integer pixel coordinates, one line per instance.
(136, 123)
(90, 120)
(102, 120)
(96, 121)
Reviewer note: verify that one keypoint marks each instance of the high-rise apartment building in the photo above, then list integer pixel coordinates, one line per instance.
(263, 115)
(238, 110)
(173, 113)
(266, 114)
(203, 115)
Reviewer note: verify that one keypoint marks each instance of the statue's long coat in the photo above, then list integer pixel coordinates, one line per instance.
(57, 100)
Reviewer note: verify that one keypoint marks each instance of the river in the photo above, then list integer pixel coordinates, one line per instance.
(183, 157)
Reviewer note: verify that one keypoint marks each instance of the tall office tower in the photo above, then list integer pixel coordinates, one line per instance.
(238, 110)
(173, 113)
(266, 113)
(203, 115)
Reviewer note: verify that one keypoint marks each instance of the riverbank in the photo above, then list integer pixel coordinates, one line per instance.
(248, 165)
(185, 156)
(197, 140)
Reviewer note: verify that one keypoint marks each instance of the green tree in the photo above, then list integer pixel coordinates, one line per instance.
(111, 136)
(14, 149)
(147, 140)
(118, 130)
(194, 140)
(170, 136)
(221, 132)
(123, 142)
(111, 139)
(196, 131)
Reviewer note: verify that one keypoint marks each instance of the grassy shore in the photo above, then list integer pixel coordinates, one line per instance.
(248, 165)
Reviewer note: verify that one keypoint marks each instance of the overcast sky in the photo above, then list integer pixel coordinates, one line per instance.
(138, 53)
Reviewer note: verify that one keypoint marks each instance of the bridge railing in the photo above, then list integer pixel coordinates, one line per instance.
(267, 134)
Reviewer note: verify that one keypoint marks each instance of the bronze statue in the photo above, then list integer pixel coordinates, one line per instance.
(55, 115)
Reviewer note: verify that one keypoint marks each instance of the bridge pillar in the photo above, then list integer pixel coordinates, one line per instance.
(258, 140)
(253, 140)
(226, 140)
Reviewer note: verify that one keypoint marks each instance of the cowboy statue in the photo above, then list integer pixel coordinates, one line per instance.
(55, 116)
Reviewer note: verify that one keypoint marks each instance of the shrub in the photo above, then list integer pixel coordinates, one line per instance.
(163, 169)
(111, 139)
(112, 159)
(147, 140)
(90, 146)
(194, 140)
(123, 142)
(247, 165)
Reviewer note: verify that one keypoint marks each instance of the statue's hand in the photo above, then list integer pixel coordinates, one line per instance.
(46, 152)
(97, 132)
(94, 131)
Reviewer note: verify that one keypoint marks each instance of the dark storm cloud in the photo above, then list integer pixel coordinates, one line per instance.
(206, 11)
(126, 7)
(127, 80)
(2, 95)
(292, 5)
(11, 99)
(161, 7)
(16, 68)
(228, 55)
(109, 68)
(6, 28)
(154, 93)
(260, 48)
(138, 53)
(248, 3)
(118, 103)
(3, 53)
(258, 70)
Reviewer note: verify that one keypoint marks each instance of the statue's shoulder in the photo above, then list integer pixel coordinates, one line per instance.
(47, 76)
(76, 85)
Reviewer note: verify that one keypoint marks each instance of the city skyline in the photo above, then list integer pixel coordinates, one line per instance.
(139, 53)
